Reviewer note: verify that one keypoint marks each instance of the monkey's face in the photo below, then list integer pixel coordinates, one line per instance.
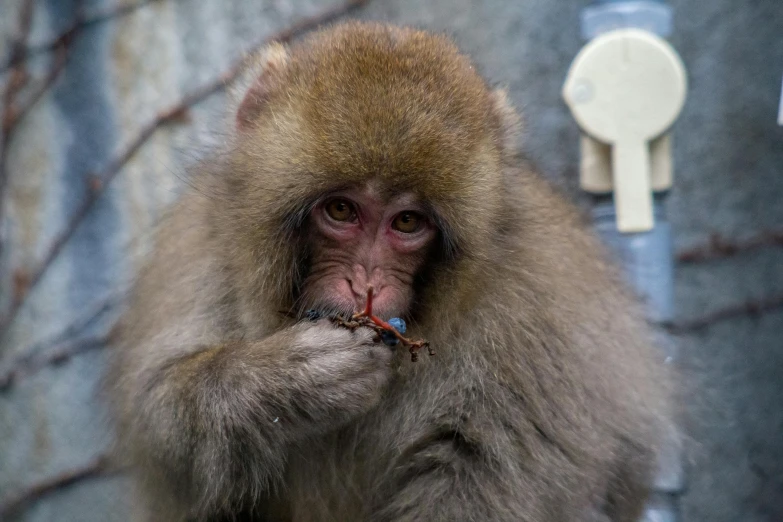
(361, 238)
(364, 160)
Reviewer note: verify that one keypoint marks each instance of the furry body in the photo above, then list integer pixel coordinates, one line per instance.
(545, 400)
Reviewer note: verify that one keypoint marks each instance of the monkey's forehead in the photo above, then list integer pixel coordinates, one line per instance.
(382, 100)
(384, 74)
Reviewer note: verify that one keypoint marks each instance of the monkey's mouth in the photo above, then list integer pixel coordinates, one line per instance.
(387, 301)
(337, 296)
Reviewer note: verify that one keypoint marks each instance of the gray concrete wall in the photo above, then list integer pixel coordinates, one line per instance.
(119, 73)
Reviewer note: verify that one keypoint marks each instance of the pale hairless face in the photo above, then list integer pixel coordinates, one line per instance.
(360, 240)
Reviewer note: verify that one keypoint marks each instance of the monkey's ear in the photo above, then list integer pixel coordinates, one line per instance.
(262, 73)
(510, 122)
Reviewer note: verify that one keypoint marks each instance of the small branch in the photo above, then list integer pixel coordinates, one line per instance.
(367, 319)
(18, 76)
(58, 354)
(17, 79)
(60, 347)
(753, 308)
(82, 21)
(12, 115)
(44, 85)
(719, 247)
(93, 312)
(98, 182)
(16, 502)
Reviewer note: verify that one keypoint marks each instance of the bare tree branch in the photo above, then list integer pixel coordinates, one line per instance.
(13, 113)
(60, 347)
(15, 502)
(98, 182)
(17, 79)
(58, 354)
(719, 247)
(82, 21)
(46, 83)
(754, 307)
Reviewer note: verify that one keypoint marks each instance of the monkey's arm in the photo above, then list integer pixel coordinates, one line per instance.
(220, 419)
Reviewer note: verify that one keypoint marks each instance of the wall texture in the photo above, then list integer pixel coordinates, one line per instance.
(122, 70)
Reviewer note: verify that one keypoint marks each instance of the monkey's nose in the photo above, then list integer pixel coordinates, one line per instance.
(358, 287)
(359, 280)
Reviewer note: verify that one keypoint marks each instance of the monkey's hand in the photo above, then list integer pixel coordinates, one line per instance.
(241, 406)
(339, 373)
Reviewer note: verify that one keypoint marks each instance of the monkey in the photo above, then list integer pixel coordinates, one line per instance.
(370, 155)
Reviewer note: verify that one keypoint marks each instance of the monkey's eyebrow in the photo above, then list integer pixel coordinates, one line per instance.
(337, 191)
(407, 199)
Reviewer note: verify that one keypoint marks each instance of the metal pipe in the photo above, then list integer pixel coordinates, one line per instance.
(646, 257)
(648, 264)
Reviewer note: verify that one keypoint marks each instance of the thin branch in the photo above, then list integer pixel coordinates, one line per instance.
(99, 182)
(82, 21)
(12, 115)
(46, 83)
(719, 247)
(60, 347)
(55, 356)
(753, 308)
(18, 76)
(93, 312)
(16, 502)
(17, 79)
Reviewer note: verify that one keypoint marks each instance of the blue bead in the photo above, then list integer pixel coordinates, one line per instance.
(398, 324)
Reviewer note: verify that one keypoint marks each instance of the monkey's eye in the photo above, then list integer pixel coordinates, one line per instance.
(407, 222)
(340, 210)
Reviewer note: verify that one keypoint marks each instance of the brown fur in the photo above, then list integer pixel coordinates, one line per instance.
(544, 401)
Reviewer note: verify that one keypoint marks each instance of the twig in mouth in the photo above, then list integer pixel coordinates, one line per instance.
(367, 319)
